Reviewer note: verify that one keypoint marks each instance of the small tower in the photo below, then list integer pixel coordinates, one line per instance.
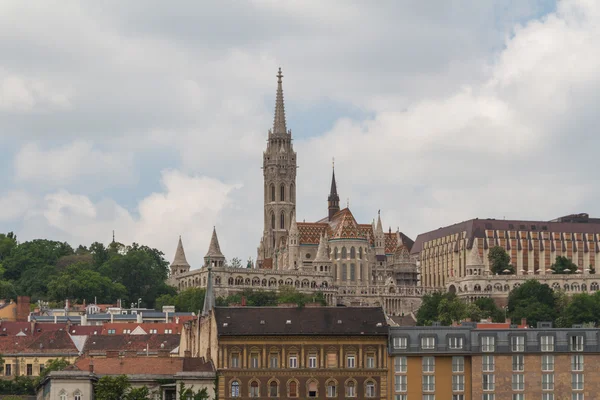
(322, 262)
(179, 264)
(293, 244)
(214, 257)
(333, 201)
(379, 237)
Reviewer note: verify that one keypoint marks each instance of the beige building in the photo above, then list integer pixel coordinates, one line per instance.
(456, 257)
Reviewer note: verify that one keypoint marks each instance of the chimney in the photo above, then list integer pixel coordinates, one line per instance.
(243, 301)
(23, 303)
(91, 366)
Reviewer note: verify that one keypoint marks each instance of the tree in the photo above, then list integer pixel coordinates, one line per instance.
(55, 364)
(188, 393)
(141, 393)
(8, 242)
(534, 301)
(500, 261)
(33, 255)
(563, 265)
(489, 309)
(582, 308)
(236, 263)
(111, 388)
(80, 282)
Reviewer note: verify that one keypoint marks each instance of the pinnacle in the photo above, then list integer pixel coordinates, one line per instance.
(180, 259)
(279, 125)
(214, 249)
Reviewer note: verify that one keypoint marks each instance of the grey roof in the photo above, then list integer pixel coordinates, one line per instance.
(214, 250)
(279, 126)
(180, 259)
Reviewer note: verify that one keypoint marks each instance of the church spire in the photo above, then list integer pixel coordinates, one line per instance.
(333, 201)
(213, 255)
(179, 261)
(279, 127)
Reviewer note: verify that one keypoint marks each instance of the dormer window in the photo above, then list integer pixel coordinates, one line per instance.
(428, 343)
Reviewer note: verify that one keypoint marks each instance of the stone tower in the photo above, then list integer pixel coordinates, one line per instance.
(333, 201)
(179, 264)
(279, 172)
(214, 257)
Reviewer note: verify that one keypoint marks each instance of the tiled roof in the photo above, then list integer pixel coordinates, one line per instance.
(103, 343)
(310, 233)
(391, 242)
(404, 320)
(136, 366)
(344, 226)
(233, 321)
(52, 342)
(146, 326)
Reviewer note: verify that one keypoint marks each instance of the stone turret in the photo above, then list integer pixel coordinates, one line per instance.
(293, 244)
(379, 237)
(214, 257)
(333, 201)
(179, 264)
(322, 262)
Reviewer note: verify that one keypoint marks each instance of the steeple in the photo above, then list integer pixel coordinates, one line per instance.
(333, 201)
(379, 226)
(214, 255)
(322, 254)
(179, 264)
(279, 127)
(209, 297)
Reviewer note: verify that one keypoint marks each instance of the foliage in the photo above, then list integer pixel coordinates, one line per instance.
(20, 385)
(55, 364)
(534, 301)
(500, 261)
(141, 393)
(264, 298)
(489, 309)
(236, 263)
(78, 281)
(188, 393)
(563, 265)
(189, 300)
(111, 388)
(447, 308)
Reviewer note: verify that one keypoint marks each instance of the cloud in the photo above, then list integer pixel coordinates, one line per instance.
(15, 204)
(22, 95)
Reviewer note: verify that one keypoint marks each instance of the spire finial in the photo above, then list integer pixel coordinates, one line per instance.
(347, 202)
(113, 236)
(333, 163)
(279, 126)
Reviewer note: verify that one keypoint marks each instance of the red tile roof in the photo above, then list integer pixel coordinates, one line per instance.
(53, 342)
(136, 343)
(137, 366)
(160, 327)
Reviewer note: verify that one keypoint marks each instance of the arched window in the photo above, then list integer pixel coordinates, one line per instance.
(272, 192)
(77, 395)
(282, 221)
(282, 193)
(272, 221)
(292, 192)
(293, 392)
(360, 253)
(254, 392)
(370, 389)
(352, 252)
(63, 395)
(235, 389)
(350, 389)
(344, 253)
(335, 253)
(594, 286)
(331, 389)
(312, 389)
(273, 389)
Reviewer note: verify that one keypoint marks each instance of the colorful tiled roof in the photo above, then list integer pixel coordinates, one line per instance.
(344, 226)
(310, 233)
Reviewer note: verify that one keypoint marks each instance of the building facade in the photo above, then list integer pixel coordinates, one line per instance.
(456, 257)
(351, 263)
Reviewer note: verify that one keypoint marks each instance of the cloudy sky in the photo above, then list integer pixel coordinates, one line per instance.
(150, 117)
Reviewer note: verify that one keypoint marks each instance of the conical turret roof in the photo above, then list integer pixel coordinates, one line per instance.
(214, 250)
(279, 126)
(293, 225)
(180, 259)
(322, 254)
(379, 227)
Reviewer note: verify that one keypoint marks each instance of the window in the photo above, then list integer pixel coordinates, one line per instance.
(400, 383)
(282, 221)
(518, 363)
(352, 253)
(273, 224)
(517, 343)
(29, 369)
(153, 331)
(428, 364)
(547, 396)
(458, 364)
(351, 361)
(344, 272)
(488, 344)
(401, 397)
(458, 383)
(235, 389)
(235, 360)
(254, 389)
(547, 362)
(455, 343)
(254, 360)
(400, 342)
(344, 253)
(518, 396)
(331, 389)
(63, 396)
(312, 361)
(272, 192)
(332, 360)
(293, 391)
(488, 396)
(77, 396)
(352, 272)
(42, 366)
(518, 382)
(274, 360)
(273, 389)
(577, 381)
(370, 389)
(576, 396)
(8, 369)
(127, 331)
(312, 389)
(547, 343)
(428, 343)
(400, 364)
(547, 381)
(293, 361)
(429, 383)
(350, 389)
(168, 330)
(111, 331)
(576, 343)
(370, 360)
(489, 382)
(487, 363)
(458, 397)
(282, 193)
(429, 397)
(577, 362)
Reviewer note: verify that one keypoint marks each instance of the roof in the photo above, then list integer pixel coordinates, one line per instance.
(404, 320)
(180, 260)
(135, 366)
(214, 250)
(52, 342)
(143, 328)
(103, 343)
(344, 226)
(244, 321)
(475, 228)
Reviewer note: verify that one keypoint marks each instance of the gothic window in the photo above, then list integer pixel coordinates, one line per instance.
(344, 272)
(273, 389)
(292, 192)
(335, 253)
(360, 253)
(352, 272)
(282, 221)
(235, 389)
(282, 193)
(272, 192)
(344, 253)
(272, 221)
(352, 252)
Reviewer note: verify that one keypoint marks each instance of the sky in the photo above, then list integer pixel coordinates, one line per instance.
(149, 118)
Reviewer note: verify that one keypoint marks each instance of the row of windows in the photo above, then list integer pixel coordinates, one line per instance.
(8, 369)
(428, 366)
(518, 382)
(521, 396)
(429, 397)
(331, 361)
(343, 253)
(282, 191)
(312, 388)
(518, 363)
(488, 343)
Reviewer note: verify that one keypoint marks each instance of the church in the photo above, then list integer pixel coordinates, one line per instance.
(352, 264)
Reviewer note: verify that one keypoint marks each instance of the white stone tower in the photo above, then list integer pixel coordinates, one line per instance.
(279, 172)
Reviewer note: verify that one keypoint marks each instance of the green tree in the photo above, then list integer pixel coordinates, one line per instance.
(534, 301)
(563, 265)
(99, 253)
(581, 309)
(55, 364)
(111, 388)
(8, 242)
(189, 394)
(80, 282)
(489, 309)
(189, 300)
(33, 255)
(500, 261)
(141, 393)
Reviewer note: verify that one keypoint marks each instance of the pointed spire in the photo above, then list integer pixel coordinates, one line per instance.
(322, 254)
(279, 127)
(180, 259)
(209, 298)
(333, 201)
(214, 249)
(379, 227)
(293, 225)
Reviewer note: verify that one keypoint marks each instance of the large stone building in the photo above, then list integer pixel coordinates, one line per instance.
(456, 257)
(351, 263)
